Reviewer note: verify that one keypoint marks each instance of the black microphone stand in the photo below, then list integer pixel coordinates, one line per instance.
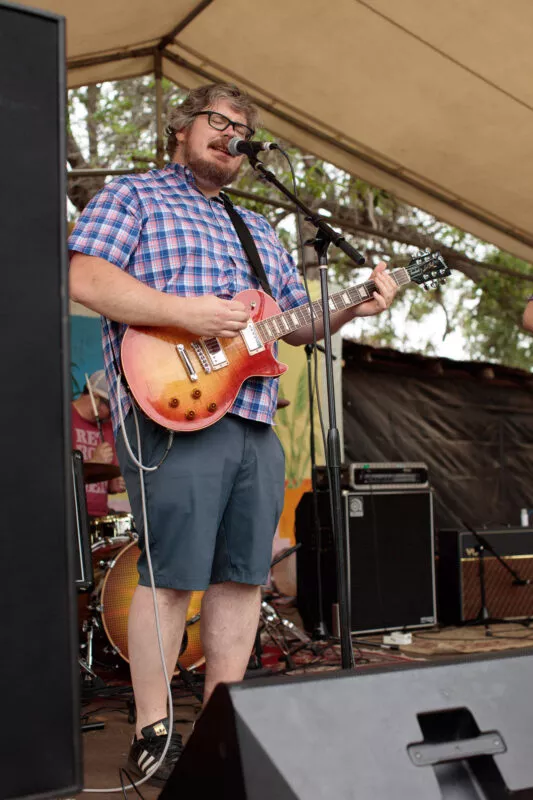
(324, 237)
(483, 614)
(320, 630)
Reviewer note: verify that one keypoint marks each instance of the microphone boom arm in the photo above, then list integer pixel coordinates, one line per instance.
(319, 222)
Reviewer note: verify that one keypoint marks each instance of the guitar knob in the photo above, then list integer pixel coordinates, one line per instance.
(212, 407)
(173, 402)
(196, 394)
(190, 414)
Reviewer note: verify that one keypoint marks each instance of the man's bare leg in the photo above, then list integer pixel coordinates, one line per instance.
(149, 683)
(230, 615)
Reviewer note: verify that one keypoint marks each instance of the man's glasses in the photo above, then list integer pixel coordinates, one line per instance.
(220, 122)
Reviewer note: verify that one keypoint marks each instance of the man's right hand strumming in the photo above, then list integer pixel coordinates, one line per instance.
(210, 316)
(109, 291)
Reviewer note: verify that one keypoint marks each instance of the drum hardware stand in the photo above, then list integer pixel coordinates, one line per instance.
(276, 628)
(97, 682)
(90, 678)
(185, 674)
(187, 677)
(255, 667)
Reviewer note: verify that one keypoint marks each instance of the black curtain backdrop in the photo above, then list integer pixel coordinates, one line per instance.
(471, 423)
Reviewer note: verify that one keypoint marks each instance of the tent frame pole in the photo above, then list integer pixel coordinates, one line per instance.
(159, 146)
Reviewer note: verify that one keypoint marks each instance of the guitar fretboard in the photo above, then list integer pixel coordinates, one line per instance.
(282, 324)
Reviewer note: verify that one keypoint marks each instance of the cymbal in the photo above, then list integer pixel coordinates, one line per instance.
(283, 402)
(94, 472)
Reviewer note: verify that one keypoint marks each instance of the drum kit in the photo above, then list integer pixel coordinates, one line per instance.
(103, 609)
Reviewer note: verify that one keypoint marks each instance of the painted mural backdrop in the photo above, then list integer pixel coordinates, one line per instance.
(85, 349)
(293, 429)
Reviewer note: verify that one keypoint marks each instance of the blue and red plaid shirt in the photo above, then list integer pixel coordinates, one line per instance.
(160, 228)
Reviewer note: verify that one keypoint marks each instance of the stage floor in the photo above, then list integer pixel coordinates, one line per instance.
(105, 751)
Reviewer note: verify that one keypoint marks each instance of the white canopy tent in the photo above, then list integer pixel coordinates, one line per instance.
(429, 99)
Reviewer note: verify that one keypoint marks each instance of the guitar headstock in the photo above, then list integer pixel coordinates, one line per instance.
(428, 269)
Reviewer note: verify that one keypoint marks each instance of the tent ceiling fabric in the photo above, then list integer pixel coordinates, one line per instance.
(432, 101)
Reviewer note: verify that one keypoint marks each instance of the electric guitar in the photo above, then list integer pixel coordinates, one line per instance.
(186, 382)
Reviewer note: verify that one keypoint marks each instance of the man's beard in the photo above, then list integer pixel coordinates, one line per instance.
(218, 175)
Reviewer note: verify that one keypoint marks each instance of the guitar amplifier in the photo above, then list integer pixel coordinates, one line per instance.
(388, 475)
(458, 575)
(391, 560)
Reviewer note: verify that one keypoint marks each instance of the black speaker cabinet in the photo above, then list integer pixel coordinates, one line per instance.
(459, 585)
(39, 674)
(391, 559)
(460, 731)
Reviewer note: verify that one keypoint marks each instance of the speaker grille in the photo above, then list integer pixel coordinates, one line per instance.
(391, 559)
(459, 586)
(502, 597)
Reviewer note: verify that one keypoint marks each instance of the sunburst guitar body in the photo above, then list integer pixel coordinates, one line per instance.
(186, 382)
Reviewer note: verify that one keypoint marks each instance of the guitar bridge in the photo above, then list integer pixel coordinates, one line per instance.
(187, 363)
(201, 356)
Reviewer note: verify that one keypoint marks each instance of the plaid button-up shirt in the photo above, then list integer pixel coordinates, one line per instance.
(159, 227)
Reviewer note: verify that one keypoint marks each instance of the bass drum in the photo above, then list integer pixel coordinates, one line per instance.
(117, 591)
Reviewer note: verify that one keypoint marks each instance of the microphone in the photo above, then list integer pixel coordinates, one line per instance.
(240, 147)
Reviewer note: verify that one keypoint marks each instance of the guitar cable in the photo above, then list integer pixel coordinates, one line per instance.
(142, 469)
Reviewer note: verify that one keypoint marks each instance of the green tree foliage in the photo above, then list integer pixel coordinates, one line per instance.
(112, 126)
(493, 327)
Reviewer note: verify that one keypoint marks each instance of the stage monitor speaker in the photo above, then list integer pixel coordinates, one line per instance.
(458, 579)
(426, 732)
(39, 673)
(391, 559)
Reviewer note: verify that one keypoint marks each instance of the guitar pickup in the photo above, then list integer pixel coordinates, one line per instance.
(215, 353)
(252, 339)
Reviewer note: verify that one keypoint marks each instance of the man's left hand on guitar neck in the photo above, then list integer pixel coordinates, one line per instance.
(387, 290)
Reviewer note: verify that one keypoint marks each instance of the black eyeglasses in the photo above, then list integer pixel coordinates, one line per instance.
(220, 122)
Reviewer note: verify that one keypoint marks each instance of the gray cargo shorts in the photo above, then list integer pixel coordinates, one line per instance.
(213, 505)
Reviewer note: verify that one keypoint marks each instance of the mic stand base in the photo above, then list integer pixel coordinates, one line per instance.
(319, 633)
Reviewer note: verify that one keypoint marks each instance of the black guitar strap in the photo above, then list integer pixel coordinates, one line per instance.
(247, 241)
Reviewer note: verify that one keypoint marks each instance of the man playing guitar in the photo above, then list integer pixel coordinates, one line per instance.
(158, 250)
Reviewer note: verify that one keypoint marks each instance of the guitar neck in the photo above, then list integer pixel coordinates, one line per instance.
(282, 324)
